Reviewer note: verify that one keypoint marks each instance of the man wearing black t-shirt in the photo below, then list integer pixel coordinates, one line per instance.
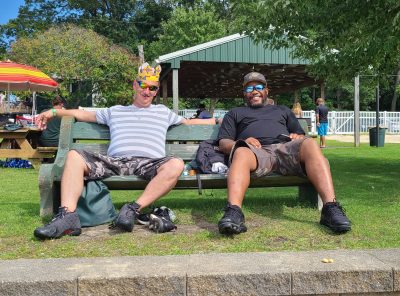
(253, 136)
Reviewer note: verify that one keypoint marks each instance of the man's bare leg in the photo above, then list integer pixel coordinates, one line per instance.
(318, 170)
(319, 173)
(72, 180)
(323, 141)
(161, 184)
(243, 163)
(165, 180)
(67, 222)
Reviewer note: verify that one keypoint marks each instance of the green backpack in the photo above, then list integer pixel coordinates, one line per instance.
(95, 206)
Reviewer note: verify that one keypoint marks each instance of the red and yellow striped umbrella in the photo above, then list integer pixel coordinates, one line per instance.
(16, 77)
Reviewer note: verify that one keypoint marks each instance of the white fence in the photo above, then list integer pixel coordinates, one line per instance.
(340, 122)
(189, 113)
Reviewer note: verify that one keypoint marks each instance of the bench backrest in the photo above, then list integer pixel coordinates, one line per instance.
(182, 140)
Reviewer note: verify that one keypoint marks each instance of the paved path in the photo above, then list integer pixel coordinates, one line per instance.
(363, 138)
(355, 272)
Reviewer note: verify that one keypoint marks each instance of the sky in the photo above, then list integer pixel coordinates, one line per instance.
(9, 9)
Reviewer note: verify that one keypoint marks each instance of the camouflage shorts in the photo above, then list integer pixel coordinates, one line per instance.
(283, 158)
(103, 166)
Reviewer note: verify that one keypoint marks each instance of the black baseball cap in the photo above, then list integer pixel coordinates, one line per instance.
(254, 76)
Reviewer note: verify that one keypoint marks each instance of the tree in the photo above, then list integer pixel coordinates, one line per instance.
(185, 28)
(83, 58)
(347, 33)
(125, 22)
(340, 38)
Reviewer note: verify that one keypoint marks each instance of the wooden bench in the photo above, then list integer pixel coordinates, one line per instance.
(182, 141)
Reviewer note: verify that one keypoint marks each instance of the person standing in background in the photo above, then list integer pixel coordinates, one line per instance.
(51, 135)
(321, 114)
(202, 113)
(298, 112)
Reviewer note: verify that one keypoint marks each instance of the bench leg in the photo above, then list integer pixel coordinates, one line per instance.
(308, 194)
(49, 192)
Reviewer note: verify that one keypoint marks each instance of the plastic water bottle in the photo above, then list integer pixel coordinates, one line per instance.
(186, 170)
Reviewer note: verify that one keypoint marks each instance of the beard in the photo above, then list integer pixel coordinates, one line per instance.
(256, 105)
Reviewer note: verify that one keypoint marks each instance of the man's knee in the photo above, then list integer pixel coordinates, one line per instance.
(309, 146)
(242, 154)
(174, 166)
(310, 150)
(73, 156)
(74, 159)
(245, 158)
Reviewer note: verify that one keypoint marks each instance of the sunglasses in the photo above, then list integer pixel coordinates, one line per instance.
(251, 88)
(143, 85)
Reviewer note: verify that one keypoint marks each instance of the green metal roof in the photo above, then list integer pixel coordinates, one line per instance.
(216, 68)
(236, 49)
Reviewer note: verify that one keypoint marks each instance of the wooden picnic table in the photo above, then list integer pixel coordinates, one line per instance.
(23, 143)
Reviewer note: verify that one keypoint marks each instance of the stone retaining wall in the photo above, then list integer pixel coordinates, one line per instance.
(369, 272)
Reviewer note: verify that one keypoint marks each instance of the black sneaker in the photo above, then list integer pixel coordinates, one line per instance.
(64, 223)
(161, 220)
(233, 221)
(126, 217)
(333, 216)
(143, 218)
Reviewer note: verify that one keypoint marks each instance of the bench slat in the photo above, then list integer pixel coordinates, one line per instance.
(208, 181)
(94, 131)
(90, 131)
(185, 151)
(192, 132)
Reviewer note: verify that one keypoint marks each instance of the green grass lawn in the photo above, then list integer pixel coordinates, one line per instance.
(366, 181)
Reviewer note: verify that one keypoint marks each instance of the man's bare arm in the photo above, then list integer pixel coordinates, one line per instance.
(197, 121)
(80, 115)
(225, 145)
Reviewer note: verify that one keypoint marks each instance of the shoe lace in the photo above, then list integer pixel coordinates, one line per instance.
(337, 209)
(233, 212)
(162, 213)
(62, 211)
(132, 208)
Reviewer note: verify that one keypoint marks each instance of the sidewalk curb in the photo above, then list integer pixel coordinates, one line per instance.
(275, 273)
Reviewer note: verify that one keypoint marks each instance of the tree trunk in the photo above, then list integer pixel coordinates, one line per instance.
(338, 96)
(394, 100)
(213, 103)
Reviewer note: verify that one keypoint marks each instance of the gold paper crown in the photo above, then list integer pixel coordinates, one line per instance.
(146, 72)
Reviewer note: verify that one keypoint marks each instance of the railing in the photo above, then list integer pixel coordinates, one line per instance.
(189, 113)
(339, 122)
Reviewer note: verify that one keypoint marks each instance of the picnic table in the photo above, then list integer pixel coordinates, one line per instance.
(23, 143)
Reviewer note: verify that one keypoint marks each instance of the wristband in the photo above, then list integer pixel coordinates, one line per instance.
(54, 112)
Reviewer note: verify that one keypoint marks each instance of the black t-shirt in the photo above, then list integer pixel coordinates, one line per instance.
(322, 111)
(265, 124)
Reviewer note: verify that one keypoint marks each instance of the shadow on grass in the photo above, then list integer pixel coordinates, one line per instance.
(360, 177)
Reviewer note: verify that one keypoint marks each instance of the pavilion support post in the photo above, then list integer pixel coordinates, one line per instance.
(322, 90)
(175, 90)
(164, 86)
(313, 94)
(357, 111)
(296, 96)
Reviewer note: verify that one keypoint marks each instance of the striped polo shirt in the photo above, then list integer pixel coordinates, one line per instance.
(139, 132)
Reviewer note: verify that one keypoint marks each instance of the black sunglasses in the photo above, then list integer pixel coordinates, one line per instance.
(251, 88)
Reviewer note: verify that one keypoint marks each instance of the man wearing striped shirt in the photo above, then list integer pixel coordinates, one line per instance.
(137, 147)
